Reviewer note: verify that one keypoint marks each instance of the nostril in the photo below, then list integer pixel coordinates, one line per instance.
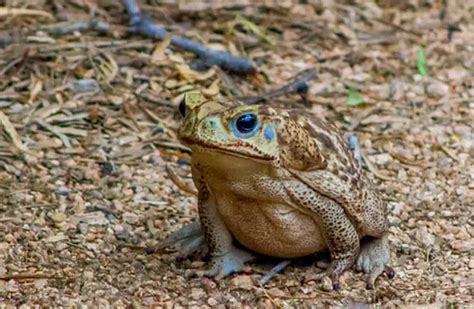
(211, 123)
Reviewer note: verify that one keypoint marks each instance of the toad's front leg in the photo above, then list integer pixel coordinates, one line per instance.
(225, 257)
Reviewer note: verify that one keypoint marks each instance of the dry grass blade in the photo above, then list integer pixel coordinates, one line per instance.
(11, 132)
(12, 12)
(179, 182)
(55, 131)
(373, 169)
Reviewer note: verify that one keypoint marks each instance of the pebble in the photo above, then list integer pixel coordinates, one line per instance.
(62, 190)
(326, 284)
(243, 282)
(4, 247)
(424, 237)
(463, 245)
(276, 292)
(197, 293)
(83, 228)
(437, 89)
(91, 218)
(59, 217)
(208, 284)
(122, 232)
(130, 218)
(212, 302)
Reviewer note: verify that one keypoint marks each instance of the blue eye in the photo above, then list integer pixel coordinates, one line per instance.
(245, 125)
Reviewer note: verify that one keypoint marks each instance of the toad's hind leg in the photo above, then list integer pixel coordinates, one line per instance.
(374, 258)
(187, 240)
(339, 232)
(375, 221)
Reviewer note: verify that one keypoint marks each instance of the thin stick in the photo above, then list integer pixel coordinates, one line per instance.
(299, 85)
(275, 270)
(140, 24)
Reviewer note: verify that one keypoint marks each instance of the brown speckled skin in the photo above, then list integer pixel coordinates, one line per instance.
(297, 193)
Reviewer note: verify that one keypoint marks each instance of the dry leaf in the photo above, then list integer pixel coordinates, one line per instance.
(212, 90)
(158, 54)
(190, 75)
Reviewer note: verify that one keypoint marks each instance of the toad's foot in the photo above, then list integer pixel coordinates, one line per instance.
(231, 262)
(335, 269)
(373, 259)
(187, 240)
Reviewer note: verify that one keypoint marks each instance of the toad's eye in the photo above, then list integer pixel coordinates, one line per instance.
(182, 108)
(246, 125)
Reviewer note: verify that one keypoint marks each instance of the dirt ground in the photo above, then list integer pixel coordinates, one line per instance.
(83, 184)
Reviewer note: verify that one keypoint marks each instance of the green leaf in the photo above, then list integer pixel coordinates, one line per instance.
(250, 26)
(354, 98)
(421, 63)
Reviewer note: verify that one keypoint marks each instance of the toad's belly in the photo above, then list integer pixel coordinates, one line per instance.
(272, 229)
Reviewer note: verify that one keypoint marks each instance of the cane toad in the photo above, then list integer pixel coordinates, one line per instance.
(280, 184)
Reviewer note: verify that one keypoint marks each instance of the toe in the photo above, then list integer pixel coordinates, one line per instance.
(363, 263)
(335, 282)
(374, 273)
(190, 246)
(390, 272)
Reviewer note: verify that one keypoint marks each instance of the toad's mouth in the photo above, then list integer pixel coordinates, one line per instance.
(230, 150)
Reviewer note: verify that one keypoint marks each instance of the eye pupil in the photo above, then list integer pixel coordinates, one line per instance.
(246, 123)
(182, 108)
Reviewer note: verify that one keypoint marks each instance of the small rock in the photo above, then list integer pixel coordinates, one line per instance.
(59, 217)
(398, 208)
(122, 232)
(471, 263)
(437, 89)
(398, 89)
(276, 292)
(381, 159)
(208, 284)
(4, 247)
(85, 85)
(424, 237)
(41, 283)
(266, 304)
(242, 282)
(62, 190)
(168, 305)
(11, 286)
(319, 88)
(91, 218)
(130, 218)
(88, 275)
(326, 284)
(382, 92)
(83, 228)
(457, 74)
(463, 245)
(463, 235)
(212, 302)
(60, 246)
(108, 168)
(197, 293)
(56, 238)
